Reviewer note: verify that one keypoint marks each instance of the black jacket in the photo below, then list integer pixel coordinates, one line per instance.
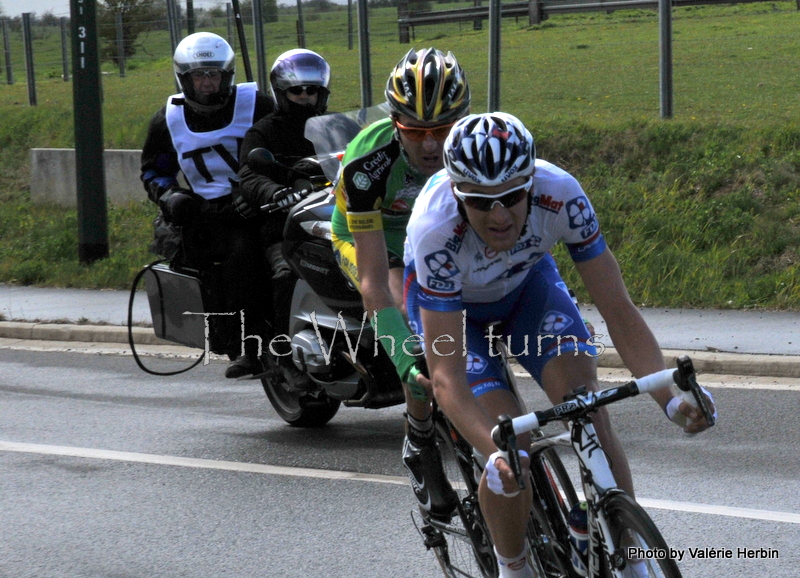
(282, 135)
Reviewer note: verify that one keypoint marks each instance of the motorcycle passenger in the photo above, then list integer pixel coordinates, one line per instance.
(478, 245)
(383, 170)
(197, 134)
(299, 79)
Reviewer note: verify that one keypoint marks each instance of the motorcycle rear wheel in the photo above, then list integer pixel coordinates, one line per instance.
(297, 408)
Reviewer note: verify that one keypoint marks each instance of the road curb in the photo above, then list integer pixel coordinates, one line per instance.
(85, 333)
(716, 362)
(719, 362)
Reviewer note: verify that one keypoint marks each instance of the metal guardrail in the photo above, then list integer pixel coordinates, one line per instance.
(539, 10)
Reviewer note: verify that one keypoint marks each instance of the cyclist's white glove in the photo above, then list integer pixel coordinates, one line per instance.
(676, 416)
(493, 475)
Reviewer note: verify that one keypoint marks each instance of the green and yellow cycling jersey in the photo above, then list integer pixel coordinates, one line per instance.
(377, 188)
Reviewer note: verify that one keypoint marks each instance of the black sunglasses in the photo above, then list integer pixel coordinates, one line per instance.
(298, 90)
(485, 203)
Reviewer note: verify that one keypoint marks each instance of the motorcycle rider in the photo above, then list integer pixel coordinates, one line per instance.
(383, 170)
(478, 251)
(299, 80)
(197, 133)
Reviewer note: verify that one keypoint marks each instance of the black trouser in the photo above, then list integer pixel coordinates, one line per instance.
(282, 283)
(230, 259)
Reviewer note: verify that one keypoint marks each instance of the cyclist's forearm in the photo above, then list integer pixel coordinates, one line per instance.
(458, 403)
(373, 271)
(638, 348)
(632, 338)
(662, 397)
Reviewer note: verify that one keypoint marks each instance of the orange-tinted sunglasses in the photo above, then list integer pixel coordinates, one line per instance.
(419, 133)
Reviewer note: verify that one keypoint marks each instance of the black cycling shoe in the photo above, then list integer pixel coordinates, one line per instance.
(242, 366)
(428, 480)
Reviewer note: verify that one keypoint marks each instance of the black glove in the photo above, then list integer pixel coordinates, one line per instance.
(159, 187)
(180, 206)
(308, 167)
(287, 198)
(244, 208)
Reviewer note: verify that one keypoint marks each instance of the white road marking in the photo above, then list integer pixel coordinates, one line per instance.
(196, 463)
(751, 513)
(90, 453)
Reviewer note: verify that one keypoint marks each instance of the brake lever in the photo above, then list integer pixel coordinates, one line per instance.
(686, 380)
(506, 441)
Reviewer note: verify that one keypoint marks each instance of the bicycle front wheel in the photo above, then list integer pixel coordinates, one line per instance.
(633, 535)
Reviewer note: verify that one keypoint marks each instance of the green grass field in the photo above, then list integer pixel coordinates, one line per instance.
(701, 210)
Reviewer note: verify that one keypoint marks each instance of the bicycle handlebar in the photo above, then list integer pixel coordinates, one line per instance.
(581, 403)
(686, 380)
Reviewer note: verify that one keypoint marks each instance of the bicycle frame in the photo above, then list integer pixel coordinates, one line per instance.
(597, 481)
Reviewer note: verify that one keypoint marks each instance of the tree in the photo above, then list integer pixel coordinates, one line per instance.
(137, 16)
(320, 5)
(269, 11)
(49, 19)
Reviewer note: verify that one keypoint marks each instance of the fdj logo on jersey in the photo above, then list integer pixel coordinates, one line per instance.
(581, 216)
(475, 363)
(442, 267)
(554, 322)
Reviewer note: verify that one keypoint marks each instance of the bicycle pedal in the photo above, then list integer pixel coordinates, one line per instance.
(432, 538)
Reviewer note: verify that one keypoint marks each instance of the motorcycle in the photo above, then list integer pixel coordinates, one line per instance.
(335, 358)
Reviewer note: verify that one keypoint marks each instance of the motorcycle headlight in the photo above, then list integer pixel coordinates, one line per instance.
(319, 229)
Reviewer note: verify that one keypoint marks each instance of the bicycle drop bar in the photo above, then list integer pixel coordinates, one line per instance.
(686, 380)
(584, 403)
(506, 441)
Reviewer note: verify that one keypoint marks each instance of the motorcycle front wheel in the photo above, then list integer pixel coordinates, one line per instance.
(296, 406)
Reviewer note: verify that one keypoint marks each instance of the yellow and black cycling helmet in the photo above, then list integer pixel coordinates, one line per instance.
(429, 86)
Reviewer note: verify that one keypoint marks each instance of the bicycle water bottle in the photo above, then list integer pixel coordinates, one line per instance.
(579, 537)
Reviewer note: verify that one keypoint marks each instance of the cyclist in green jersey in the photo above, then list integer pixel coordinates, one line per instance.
(384, 169)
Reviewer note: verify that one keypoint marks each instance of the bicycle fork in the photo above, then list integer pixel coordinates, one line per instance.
(598, 484)
(601, 544)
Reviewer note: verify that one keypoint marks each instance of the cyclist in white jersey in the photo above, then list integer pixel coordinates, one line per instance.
(477, 253)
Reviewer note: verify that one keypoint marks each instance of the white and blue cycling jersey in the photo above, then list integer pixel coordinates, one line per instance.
(450, 268)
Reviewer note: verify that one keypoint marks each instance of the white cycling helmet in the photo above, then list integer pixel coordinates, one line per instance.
(489, 149)
(204, 50)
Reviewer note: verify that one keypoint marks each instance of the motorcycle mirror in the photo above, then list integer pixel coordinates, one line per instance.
(261, 161)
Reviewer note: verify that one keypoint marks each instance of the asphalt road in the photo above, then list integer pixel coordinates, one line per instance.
(109, 472)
